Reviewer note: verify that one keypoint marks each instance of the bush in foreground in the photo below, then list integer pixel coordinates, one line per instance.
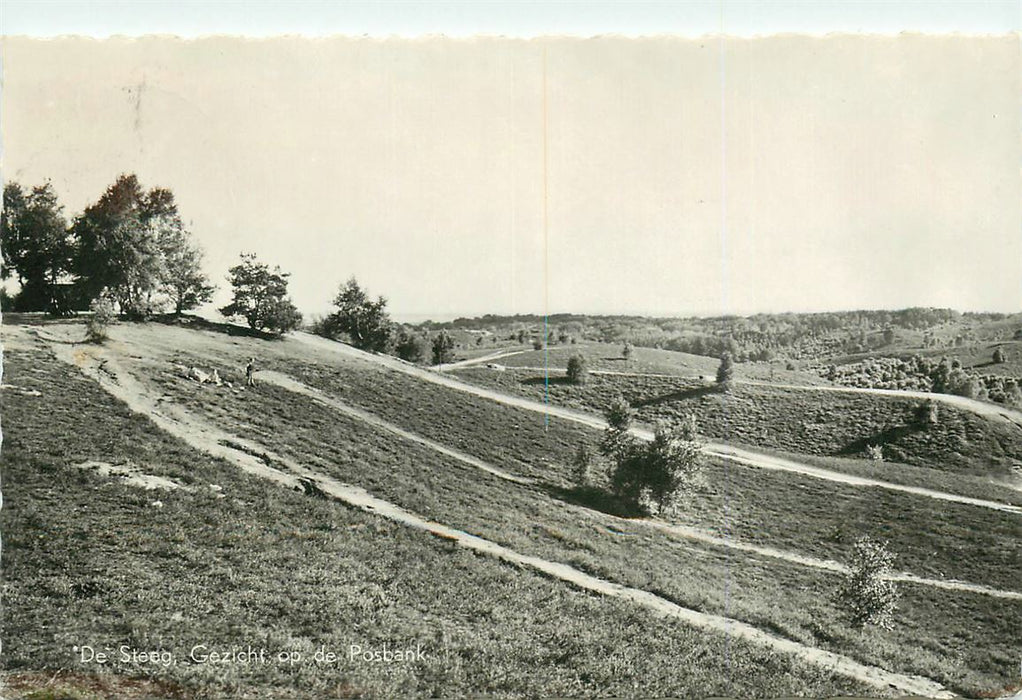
(868, 595)
(654, 475)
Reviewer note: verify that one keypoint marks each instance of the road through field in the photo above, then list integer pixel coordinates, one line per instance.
(106, 369)
(740, 455)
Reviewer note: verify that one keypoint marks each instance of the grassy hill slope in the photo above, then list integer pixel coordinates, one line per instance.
(88, 560)
(288, 562)
(810, 422)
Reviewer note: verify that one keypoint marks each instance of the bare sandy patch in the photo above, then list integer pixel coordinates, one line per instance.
(132, 476)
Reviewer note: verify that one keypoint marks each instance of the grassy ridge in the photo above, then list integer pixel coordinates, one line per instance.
(642, 360)
(812, 422)
(90, 561)
(830, 514)
(537, 522)
(525, 442)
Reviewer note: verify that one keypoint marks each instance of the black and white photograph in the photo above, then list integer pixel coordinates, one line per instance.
(511, 350)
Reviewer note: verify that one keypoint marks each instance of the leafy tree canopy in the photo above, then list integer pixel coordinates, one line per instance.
(36, 246)
(365, 321)
(132, 245)
(260, 297)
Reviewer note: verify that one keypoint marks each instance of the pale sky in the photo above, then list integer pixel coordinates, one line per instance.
(662, 176)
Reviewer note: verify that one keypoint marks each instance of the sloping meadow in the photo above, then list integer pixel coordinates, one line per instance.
(545, 520)
(93, 562)
(804, 421)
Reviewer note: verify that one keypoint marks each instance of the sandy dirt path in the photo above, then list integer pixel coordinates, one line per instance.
(690, 533)
(822, 564)
(460, 364)
(756, 459)
(740, 455)
(111, 376)
(980, 408)
(605, 372)
(286, 382)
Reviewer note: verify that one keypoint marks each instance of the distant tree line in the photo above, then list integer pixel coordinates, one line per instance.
(760, 337)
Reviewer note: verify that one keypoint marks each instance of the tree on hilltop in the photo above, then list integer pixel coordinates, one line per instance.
(186, 284)
(365, 321)
(117, 243)
(260, 297)
(132, 246)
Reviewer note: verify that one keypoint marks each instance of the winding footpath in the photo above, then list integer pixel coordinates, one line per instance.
(980, 408)
(735, 454)
(685, 532)
(105, 368)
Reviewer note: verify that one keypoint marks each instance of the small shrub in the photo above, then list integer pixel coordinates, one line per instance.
(626, 351)
(578, 370)
(867, 594)
(443, 348)
(102, 316)
(582, 465)
(999, 356)
(875, 452)
(926, 415)
(616, 439)
(260, 296)
(726, 371)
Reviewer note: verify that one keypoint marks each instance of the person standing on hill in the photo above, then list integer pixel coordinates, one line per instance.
(249, 371)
